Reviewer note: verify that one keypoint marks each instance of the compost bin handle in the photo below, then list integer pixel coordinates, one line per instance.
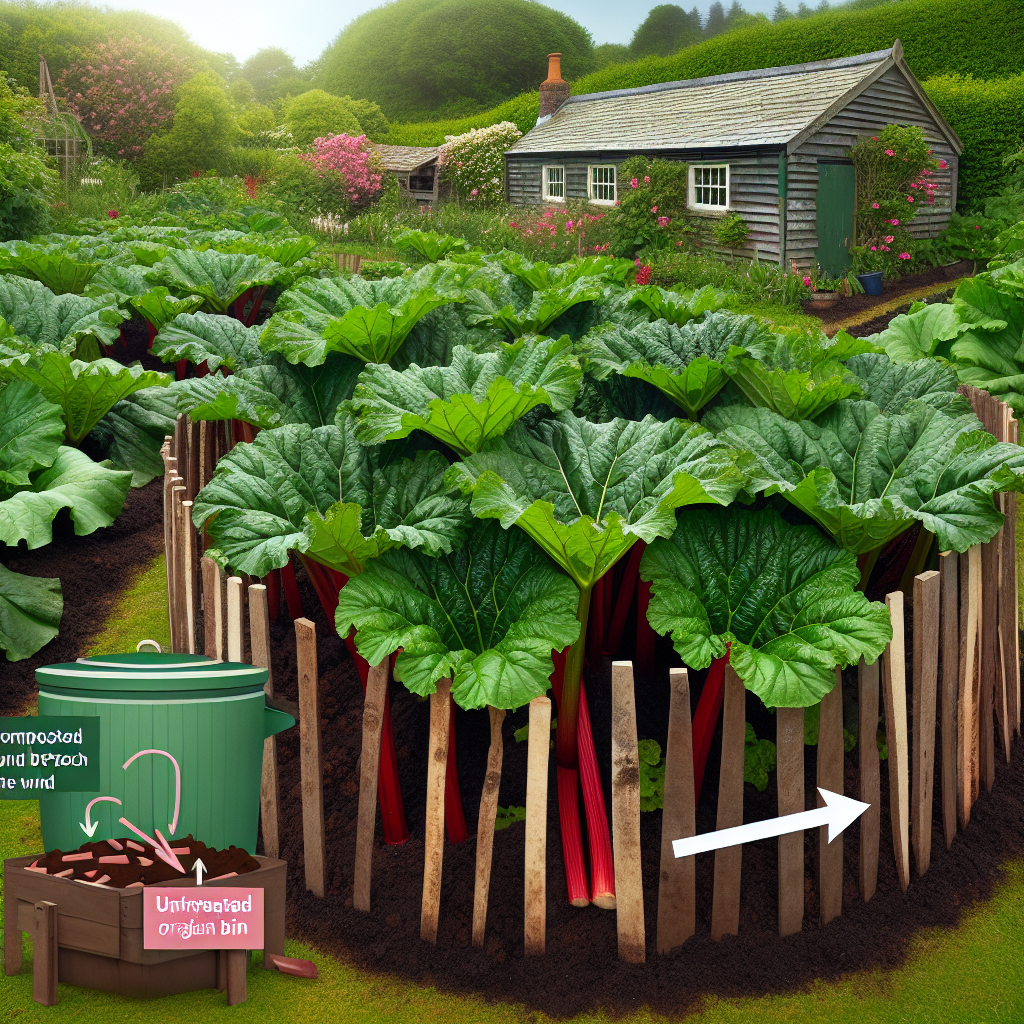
(275, 721)
(142, 643)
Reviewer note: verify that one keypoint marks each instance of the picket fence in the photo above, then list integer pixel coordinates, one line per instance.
(945, 734)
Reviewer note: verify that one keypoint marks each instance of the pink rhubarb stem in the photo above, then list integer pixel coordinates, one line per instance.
(705, 718)
(291, 590)
(602, 870)
(625, 597)
(454, 817)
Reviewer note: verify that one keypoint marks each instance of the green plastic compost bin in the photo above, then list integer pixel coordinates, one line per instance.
(181, 748)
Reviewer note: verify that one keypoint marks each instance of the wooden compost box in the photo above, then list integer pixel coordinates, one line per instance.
(99, 939)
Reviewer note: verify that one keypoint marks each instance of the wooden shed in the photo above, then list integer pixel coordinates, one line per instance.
(771, 145)
(417, 170)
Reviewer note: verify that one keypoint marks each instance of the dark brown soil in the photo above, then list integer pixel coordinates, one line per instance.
(580, 970)
(849, 306)
(93, 571)
(141, 863)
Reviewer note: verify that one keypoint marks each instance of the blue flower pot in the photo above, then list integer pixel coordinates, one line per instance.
(872, 283)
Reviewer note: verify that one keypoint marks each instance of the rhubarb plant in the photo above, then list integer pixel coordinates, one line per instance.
(220, 278)
(679, 308)
(218, 341)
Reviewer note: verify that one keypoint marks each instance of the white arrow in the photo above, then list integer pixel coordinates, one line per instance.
(838, 812)
(89, 828)
(200, 868)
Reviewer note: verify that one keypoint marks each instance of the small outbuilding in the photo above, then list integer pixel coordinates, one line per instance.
(771, 145)
(417, 170)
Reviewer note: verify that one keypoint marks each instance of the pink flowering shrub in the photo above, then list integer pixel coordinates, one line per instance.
(122, 92)
(474, 163)
(352, 162)
(651, 208)
(549, 238)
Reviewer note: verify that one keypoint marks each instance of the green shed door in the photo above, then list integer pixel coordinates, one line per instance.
(835, 217)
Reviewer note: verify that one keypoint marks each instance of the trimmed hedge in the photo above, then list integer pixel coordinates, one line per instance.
(521, 111)
(989, 118)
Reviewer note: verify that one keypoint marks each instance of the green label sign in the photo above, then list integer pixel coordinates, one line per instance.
(48, 754)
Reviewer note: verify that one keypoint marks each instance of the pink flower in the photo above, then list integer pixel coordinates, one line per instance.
(942, 163)
(679, 243)
(977, 227)
(888, 238)
(633, 183)
(112, 214)
(512, 224)
(568, 225)
(874, 248)
(807, 281)
(904, 256)
(910, 199)
(884, 248)
(894, 222)
(654, 209)
(890, 152)
(874, 206)
(474, 193)
(647, 180)
(663, 222)
(549, 214)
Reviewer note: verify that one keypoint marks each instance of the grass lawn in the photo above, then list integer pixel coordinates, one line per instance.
(974, 973)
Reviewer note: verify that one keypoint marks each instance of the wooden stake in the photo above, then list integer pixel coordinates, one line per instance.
(169, 535)
(433, 833)
(927, 590)
(236, 621)
(789, 746)
(1014, 644)
(950, 616)
(310, 758)
(725, 910)
(369, 766)
(830, 777)
(870, 776)
(178, 493)
(629, 892)
(180, 449)
(677, 888)
(895, 685)
(1005, 692)
(235, 962)
(963, 705)
(989, 667)
(44, 952)
(194, 458)
(485, 826)
(213, 613)
(535, 908)
(188, 557)
(970, 688)
(259, 635)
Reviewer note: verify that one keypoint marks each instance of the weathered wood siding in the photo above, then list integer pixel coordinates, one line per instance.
(889, 100)
(753, 186)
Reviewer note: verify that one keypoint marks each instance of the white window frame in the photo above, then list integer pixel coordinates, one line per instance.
(693, 186)
(546, 183)
(591, 184)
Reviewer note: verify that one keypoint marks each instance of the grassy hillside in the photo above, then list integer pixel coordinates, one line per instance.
(983, 38)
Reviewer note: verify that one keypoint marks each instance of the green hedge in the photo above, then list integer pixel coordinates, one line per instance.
(521, 111)
(989, 118)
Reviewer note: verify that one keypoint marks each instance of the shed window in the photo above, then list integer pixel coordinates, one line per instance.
(709, 187)
(554, 183)
(601, 181)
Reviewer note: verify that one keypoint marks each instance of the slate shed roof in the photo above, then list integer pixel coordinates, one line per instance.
(766, 107)
(405, 158)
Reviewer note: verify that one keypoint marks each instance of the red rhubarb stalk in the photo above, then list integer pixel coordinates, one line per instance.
(238, 306)
(625, 597)
(602, 870)
(595, 627)
(291, 590)
(152, 335)
(257, 301)
(454, 817)
(705, 718)
(644, 660)
(272, 581)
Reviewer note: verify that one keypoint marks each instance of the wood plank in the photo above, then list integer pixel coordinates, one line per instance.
(1005, 691)
(535, 871)
(236, 961)
(972, 703)
(195, 455)
(894, 679)
(927, 591)
(44, 953)
(433, 833)
(236, 621)
(725, 910)
(169, 471)
(870, 776)
(1015, 650)
(189, 565)
(677, 887)
(963, 704)
(629, 892)
(830, 777)
(789, 747)
(212, 612)
(485, 826)
(310, 758)
(75, 899)
(270, 790)
(989, 662)
(369, 767)
(178, 569)
(950, 620)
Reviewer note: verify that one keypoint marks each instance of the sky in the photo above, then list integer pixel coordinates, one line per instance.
(305, 27)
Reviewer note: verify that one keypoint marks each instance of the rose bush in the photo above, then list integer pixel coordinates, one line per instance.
(350, 162)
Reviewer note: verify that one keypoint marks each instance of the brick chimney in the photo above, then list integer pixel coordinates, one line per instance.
(553, 90)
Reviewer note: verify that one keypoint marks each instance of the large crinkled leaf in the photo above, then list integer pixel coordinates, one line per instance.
(622, 397)
(86, 391)
(534, 317)
(272, 394)
(690, 364)
(782, 595)
(487, 616)
(1009, 278)
(892, 385)
(866, 477)
(541, 276)
(919, 334)
(318, 491)
(218, 277)
(286, 251)
(435, 337)
(478, 397)
(131, 433)
(93, 493)
(30, 613)
(160, 307)
(113, 279)
(679, 307)
(31, 432)
(61, 272)
(215, 340)
(586, 492)
(428, 244)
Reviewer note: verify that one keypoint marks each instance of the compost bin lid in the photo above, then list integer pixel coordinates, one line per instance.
(151, 676)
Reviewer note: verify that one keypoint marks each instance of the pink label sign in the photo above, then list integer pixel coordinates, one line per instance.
(206, 917)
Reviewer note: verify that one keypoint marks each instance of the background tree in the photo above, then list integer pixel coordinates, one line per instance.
(666, 29)
(25, 180)
(418, 56)
(317, 114)
(611, 53)
(781, 12)
(715, 23)
(273, 74)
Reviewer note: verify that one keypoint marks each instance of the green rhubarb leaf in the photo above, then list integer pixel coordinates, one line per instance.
(113, 279)
(921, 334)
(218, 277)
(428, 244)
(86, 391)
(218, 341)
(31, 432)
(92, 493)
(61, 272)
(30, 613)
(679, 308)
(160, 307)
(784, 596)
(534, 317)
(891, 385)
(478, 397)
(689, 364)
(541, 276)
(131, 433)
(487, 616)
(586, 492)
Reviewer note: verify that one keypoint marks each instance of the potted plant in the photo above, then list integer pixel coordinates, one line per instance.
(825, 291)
(869, 263)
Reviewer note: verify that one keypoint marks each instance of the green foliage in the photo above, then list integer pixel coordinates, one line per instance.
(521, 111)
(731, 231)
(652, 204)
(666, 29)
(416, 56)
(508, 816)
(25, 181)
(428, 245)
(987, 115)
(317, 114)
(30, 613)
(652, 775)
(253, 121)
(272, 74)
(758, 760)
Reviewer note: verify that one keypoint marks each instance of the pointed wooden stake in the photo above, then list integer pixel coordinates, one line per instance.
(535, 896)
(830, 777)
(870, 776)
(950, 619)
(259, 638)
(789, 746)
(485, 827)
(988, 667)
(369, 768)
(433, 834)
(236, 620)
(310, 758)
(927, 589)
(725, 909)
(895, 685)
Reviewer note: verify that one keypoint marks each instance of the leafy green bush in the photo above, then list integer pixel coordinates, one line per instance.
(317, 114)
(989, 118)
(25, 180)
(652, 203)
